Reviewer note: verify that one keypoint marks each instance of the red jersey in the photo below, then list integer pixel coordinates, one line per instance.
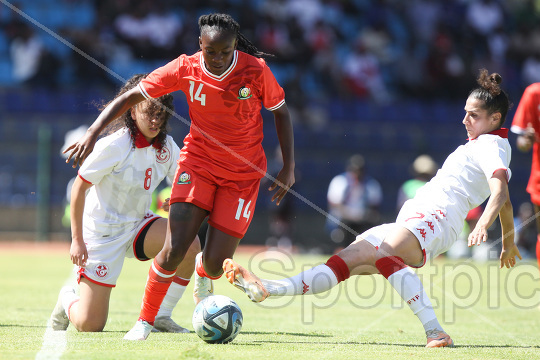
(226, 132)
(528, 114)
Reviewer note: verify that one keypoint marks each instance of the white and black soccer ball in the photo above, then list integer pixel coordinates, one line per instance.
(217, 319)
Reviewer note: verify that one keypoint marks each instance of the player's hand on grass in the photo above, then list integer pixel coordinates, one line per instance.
(478, 236)
(508, 255)
(78, 253)
(284, 180)
(81, 149)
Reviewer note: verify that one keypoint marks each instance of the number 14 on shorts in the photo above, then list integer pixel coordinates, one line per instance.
(243, 211)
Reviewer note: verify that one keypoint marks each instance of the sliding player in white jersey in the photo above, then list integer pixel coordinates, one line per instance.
(428, 224)
(110, 216)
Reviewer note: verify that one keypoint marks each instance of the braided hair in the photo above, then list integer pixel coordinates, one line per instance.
(490, 92)
(225, 22)
(160, 107)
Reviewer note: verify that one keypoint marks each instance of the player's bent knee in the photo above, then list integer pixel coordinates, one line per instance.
(90, 325)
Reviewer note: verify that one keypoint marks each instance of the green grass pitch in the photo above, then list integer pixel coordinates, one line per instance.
(490, 314)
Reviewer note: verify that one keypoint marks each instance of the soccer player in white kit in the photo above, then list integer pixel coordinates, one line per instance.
(426, 225)
(110, 216)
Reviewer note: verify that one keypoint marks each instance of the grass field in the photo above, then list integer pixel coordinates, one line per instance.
(490, 314)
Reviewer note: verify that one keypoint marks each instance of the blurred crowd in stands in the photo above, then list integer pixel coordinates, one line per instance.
(324, 49)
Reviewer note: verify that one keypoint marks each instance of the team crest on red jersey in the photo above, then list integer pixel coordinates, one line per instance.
(163, 155)
(184, 178)
(244, 93)
(102, 270)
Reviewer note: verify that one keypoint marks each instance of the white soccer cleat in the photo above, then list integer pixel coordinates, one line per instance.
(166, 324)
(203, 287)
(245, 281)
(139, 332)
(59, 318)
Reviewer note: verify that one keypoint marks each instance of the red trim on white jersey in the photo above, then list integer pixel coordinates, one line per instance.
(83, 179)
(505, 170)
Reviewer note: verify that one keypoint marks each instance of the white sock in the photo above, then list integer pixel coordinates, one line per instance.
(411, 290)
(313, 281)
(175, 292)
(68, 298)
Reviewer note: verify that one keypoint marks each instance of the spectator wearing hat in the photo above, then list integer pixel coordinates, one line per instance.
(422, 169)
(354, 199)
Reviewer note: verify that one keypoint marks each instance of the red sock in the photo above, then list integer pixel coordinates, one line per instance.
(159, 281)
(538, 251)
(199, 267)
(389, 265)
(339, 267)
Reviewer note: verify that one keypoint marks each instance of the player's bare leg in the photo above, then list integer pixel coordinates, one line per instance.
(153, 243)
(184, 222)
(91, 311)
(219, 246)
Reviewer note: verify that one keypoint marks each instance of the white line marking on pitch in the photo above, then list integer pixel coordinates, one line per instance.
(54, 342)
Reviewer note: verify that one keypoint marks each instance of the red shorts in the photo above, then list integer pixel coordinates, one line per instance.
(231, 203)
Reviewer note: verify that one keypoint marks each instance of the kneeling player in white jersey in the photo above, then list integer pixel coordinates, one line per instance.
(428, 224)
(110, 216)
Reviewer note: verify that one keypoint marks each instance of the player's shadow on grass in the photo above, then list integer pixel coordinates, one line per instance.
(258, 342)
(23, 326)
(282, 333)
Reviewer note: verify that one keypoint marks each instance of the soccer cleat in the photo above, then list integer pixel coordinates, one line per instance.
(166, 324)
(245, 281)
(59, 318)
(139, 332)
(203, 287)
(438, 338)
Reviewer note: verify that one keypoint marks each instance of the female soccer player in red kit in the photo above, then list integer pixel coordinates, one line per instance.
(222, 160)
(526, 124)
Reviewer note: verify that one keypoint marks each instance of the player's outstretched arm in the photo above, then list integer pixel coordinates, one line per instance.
(84, 146)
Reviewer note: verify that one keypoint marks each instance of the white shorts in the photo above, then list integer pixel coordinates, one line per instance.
(428, 224)
(106, 255)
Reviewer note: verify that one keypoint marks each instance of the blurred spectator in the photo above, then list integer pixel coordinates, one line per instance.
(33, 65)
(362, 73)
(274, 38)
(151, 29)
(354, 199)
(422, 169)
(423, 19)
(483, 18)
(531, 69)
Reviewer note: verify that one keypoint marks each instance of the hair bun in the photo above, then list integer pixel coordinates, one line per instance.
(496, 78)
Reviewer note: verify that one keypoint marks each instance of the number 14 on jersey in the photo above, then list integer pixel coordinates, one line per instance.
(197, 96)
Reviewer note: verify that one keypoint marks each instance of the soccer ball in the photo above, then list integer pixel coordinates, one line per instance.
(217, 319)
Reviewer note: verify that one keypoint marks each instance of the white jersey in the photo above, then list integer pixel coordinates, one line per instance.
(437, 213)
(124, 179)
(462, 182)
